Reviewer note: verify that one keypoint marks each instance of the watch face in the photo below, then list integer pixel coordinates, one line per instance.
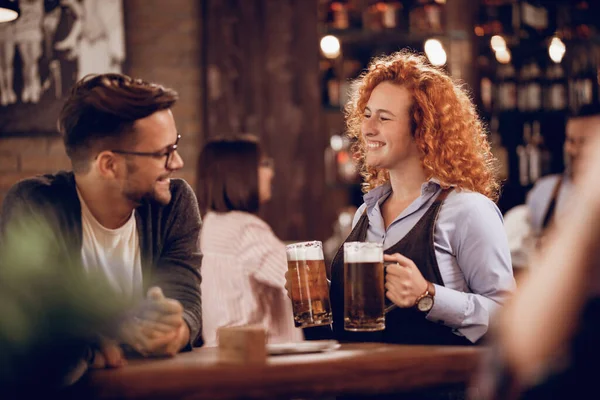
(425, 304)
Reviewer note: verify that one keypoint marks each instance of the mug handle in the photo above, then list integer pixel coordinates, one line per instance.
(393, 305)
(390, 308)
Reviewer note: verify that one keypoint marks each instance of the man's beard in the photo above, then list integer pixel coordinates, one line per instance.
(139, 196)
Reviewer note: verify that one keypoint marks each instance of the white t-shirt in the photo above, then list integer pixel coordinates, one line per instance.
(113, 252)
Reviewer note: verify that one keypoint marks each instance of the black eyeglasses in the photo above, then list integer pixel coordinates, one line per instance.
(168, 152)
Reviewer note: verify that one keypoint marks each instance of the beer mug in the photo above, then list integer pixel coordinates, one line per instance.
(364, 291)
(309, 288)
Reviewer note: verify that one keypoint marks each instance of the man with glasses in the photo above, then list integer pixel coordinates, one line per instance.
(120, 214)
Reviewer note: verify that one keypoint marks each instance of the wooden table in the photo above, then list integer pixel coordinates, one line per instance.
(354, 368)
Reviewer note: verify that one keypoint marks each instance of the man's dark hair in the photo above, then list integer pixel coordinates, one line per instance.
(588, 110)
(101, 111)
(228, 175)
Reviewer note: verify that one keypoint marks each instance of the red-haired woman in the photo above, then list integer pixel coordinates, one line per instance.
(430, 191)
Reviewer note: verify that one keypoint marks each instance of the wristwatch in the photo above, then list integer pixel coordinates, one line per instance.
(424, 302)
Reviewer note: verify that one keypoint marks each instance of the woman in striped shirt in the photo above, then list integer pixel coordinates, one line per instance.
(244, 262)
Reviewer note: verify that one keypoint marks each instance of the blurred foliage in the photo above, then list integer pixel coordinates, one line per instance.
(51, 309)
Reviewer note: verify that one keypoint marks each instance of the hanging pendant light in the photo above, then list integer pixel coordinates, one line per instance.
(9, 10)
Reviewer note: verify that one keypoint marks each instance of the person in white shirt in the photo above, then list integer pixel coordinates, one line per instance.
(244, 262)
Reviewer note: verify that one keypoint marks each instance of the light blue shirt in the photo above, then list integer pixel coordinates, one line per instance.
(471, 251)
(538, 199)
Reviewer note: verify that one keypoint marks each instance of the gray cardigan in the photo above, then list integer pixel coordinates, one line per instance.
(168, 235)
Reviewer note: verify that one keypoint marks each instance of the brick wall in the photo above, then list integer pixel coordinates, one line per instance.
(163, 40)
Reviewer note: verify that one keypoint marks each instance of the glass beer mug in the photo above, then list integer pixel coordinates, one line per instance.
(309, 288)
(364, 291)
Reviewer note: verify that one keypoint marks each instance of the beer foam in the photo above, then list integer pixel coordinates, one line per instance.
(355, 252)
(304, 251)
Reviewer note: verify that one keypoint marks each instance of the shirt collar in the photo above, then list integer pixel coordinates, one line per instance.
(375, 195)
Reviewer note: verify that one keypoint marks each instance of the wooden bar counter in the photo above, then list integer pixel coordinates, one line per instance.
(356, 368)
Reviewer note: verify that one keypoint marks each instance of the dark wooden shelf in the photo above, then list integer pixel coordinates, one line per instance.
(387, 36)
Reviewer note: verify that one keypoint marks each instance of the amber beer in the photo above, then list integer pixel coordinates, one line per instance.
(364, 295)
(309, 288)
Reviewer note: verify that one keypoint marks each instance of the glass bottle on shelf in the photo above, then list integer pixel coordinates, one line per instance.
(534, 19)
(487, 90)
(556, 94)
(372, 16)
(392, 15)
(523, 90)
(572, 84)
(426, 17)
(331, 86)
(507, 87)
(523, 155)
(486, 83)
(581, 88)
(499, 151)
(338, 15)
(539, 156)
(534, 88)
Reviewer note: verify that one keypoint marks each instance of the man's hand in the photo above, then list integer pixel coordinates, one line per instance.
(404, 283)
(108, 355)
(159, 329)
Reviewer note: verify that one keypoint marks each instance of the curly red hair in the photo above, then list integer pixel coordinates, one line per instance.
(447, 130)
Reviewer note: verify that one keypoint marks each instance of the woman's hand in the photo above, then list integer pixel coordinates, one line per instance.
(288, 285)
(404, 283)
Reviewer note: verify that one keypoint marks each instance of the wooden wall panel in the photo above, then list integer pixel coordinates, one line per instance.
(262, 78)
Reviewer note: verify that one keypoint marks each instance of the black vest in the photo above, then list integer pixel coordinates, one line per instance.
(551, 209)
(403, 325)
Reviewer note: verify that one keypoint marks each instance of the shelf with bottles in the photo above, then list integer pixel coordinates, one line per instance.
(531, 86)
(522, 20)
(532, 83)
(527, 146)
(521, 48)
(350, 18)
(357, 37)
(362, 29)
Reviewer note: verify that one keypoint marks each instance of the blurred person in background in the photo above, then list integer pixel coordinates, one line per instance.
(244, 262)
(550, 195)
(548, 337)
(119, 214)
(430, 184)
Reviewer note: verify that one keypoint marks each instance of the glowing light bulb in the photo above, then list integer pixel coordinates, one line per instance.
(498, 43)
(7, 15)
(330, 46)
(435, 52)
(556, 50)
(503, 56)
(336, 142)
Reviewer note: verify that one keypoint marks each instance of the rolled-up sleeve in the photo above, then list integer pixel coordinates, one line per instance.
(481, 250)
